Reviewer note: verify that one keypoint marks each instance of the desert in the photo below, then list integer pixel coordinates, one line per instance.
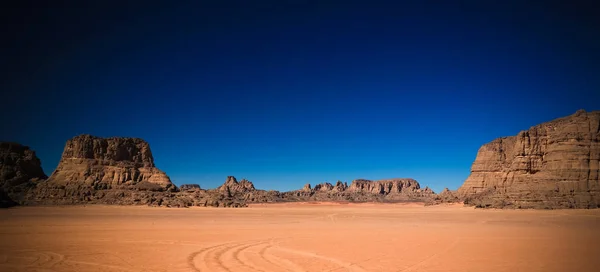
(309, 236)
(107, 207)
(300, 136)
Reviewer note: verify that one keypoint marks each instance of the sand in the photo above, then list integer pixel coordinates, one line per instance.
(298, 237)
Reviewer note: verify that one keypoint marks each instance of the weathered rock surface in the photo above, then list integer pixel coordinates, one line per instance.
(109, 163)
(232, 186)
(20, 168)
(552, 165)
(445, 196)
(18, 165)
(362, 190)
(121, 171)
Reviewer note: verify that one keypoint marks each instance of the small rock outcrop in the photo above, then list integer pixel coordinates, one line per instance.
(445, 196)
(20, 169)
(232, 186)
(18, 164)
(552, 165)
(189, 187)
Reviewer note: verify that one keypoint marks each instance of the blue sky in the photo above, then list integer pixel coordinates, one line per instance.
(285, 94)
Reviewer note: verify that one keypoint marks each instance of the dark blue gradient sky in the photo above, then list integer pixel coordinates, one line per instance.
(285, 94)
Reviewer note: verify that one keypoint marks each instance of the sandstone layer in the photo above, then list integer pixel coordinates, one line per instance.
(552, 165)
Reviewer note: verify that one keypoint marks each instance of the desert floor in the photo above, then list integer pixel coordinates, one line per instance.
(298, 237)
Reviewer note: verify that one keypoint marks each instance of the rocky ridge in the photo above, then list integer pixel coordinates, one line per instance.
(362, 190)
(121, 171)
(551, 165)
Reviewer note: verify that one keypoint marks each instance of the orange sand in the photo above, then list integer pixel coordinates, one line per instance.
(298, 237)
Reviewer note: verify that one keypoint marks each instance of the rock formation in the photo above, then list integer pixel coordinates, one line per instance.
(445, 196)
(232, 186)
(189, 187)
(18, 165)
(109, 163)
(20, 168)
(552, 165)
(121, 171)
(362, 190)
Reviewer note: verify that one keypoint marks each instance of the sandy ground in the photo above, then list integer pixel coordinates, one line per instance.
(298, 237)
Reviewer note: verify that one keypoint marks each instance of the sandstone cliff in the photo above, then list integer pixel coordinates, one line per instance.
(106, 171)
(109, 163)
(552, 165)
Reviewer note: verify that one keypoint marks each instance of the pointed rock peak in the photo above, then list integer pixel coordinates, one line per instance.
(306, 187)
(247, 184)
(234, 186)
(340, 186)
(231, 180)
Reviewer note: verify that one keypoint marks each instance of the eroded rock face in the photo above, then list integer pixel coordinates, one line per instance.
(96, 170)
(109, 163)
(20, 169)
(445, 196)
(552, 165)
(384, 187)
(18, 165)
(362, 190)
(232, 186)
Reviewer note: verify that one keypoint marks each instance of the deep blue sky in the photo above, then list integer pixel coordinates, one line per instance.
(284, 94)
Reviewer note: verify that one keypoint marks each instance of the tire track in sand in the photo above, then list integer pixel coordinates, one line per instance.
(233, 257)
(48, 260)
(283, 263)
(342, 264)
(213, 258)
